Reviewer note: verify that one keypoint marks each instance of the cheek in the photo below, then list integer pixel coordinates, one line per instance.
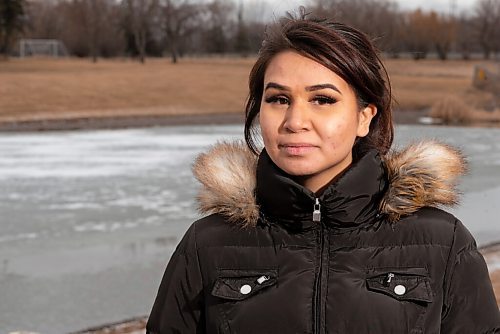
(340, 133)
(267, 127)
(335, 129)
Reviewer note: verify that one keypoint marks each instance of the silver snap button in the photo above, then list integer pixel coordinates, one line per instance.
(245, 289)
(399, 290)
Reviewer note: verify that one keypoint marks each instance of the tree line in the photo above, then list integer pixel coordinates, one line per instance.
(174, 28)
(421, 32)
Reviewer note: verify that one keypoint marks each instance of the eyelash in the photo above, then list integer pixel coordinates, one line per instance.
(325, 99)
(321, 98)
(275, 99)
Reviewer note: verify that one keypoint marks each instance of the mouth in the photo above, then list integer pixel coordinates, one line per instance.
(297, 148)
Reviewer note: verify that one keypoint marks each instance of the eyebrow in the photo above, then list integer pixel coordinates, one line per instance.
(323, 86)
(308, 88)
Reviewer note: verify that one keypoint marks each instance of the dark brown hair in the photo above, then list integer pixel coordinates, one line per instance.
(344, 50)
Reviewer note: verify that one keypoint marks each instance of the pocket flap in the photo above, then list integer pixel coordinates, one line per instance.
(410, 284)
(239, 284)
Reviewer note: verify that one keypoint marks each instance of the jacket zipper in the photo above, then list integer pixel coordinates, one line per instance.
(317, 283)
(317, 211)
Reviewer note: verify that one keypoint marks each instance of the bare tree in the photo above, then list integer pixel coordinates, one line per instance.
(378, 18)
(88, 28)
(44, 19)
(76, 24)
(419, 31)
(242, 42)
(86, 24)
(179, 22)
(392, 40)
(254, 17)
(111, 36)
(140, 15)
(219, 24)
(96, 12)
(465, 39)
(488, 25)
(443, 33)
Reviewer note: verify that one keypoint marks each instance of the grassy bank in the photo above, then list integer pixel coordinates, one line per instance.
(51, 89)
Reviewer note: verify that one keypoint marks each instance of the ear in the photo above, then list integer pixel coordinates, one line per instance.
(364, 119)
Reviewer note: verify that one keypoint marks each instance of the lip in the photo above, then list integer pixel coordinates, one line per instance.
(297, 148)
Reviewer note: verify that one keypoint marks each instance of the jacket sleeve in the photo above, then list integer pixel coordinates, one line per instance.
(179, 304)
(469, 304)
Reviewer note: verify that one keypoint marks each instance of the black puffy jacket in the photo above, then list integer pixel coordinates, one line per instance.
(371, 254)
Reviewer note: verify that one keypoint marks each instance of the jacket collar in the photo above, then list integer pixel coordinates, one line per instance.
(351, 200)
(394, 185)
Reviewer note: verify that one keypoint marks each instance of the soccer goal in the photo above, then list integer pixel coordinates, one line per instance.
(42, 47)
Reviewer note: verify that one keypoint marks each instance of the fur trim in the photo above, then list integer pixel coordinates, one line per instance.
(227, 173)
(422, 174)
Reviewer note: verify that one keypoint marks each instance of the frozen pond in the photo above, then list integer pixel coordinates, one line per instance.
(89, 219)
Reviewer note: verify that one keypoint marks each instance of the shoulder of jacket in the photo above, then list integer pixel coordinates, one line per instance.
(216, 230)
(439, 227)
(433, 216)
(421, 174)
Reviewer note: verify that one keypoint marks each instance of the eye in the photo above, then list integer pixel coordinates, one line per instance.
(323, 100)
(277, 99)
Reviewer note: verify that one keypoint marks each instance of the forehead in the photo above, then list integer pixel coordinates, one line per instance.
(292, 68)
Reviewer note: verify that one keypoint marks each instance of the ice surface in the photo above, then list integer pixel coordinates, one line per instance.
(90, 218)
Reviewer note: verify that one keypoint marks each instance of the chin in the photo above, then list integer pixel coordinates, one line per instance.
(299, 169)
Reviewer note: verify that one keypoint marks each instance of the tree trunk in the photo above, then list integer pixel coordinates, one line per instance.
(142, 53)
(140, 42)
(173, 48)
(442, 52)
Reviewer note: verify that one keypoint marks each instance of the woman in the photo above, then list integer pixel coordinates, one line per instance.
(325, 230)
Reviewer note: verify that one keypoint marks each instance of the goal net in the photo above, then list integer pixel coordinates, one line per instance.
(42, 47)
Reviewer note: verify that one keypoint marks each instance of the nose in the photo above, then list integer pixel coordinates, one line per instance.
(296, 118)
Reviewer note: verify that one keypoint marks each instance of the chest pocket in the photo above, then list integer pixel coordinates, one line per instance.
(240, 297)
(410, 290)
(410, 284)
(240, 284)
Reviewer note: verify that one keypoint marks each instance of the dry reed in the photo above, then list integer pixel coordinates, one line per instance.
(451, 110)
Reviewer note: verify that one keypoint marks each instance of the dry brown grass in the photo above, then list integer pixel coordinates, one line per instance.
(71, 88)
(451, 110)
(418, 85)
(45, 88)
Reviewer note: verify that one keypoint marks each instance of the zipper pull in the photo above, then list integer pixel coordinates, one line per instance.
(262, 279)
(389, 277)
(317, 211)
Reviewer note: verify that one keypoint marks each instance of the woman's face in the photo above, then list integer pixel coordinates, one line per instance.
(309, 117)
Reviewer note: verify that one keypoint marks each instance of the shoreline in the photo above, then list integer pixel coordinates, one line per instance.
(409, 117)
(144, 121)
(119, 122)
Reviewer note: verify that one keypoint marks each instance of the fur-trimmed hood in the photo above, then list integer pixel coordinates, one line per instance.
(422, 174)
